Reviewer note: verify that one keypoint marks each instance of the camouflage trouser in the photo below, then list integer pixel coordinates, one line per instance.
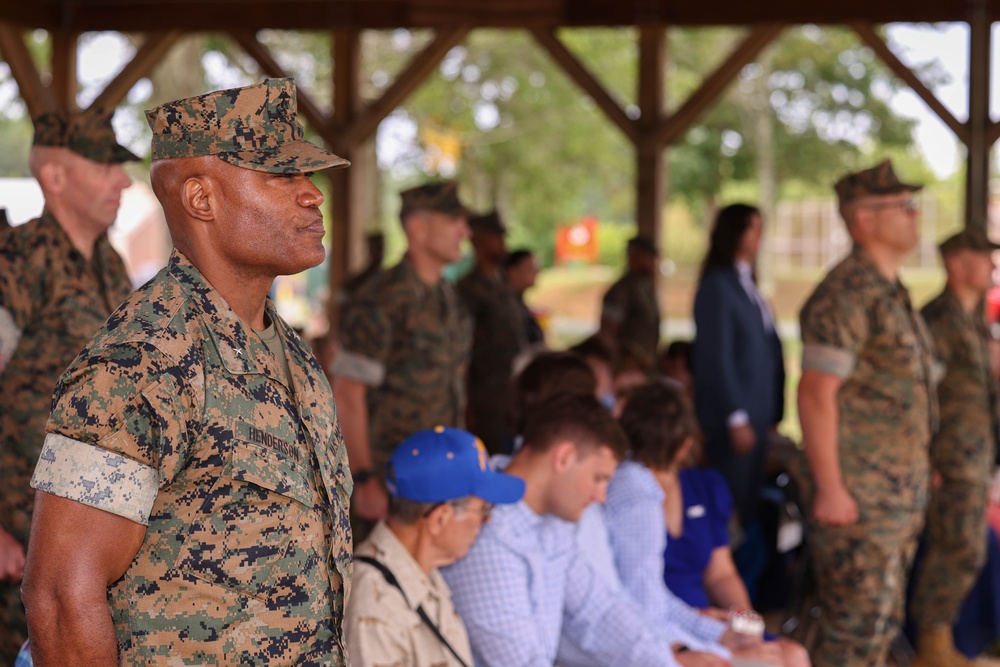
(861, 574)
(955, 550)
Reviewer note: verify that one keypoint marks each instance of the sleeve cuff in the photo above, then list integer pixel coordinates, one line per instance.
(96, 477)
(828, 359)
(357, 367)
(10, 335)
(738, 418)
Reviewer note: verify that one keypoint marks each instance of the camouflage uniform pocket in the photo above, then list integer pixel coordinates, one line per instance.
(259, 523)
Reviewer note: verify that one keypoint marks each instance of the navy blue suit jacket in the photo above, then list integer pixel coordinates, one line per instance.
(736, 362)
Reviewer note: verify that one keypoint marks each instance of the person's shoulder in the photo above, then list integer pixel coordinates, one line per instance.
(943, 307)
(24, 242)
(632, 483)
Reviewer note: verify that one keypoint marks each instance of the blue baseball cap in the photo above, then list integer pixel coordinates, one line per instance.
(442, 464)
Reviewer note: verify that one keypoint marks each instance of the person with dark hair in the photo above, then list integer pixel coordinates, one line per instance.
(442, 489)
(498, 336)
(668, 522)
(549, 374)
(524, 581)
(521, 268)
(630, 310)
(736, 361)
(674, 363)
(601, 359)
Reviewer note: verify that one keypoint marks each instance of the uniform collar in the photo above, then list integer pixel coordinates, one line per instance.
(417, 586)
(60, 240)
(865, 262)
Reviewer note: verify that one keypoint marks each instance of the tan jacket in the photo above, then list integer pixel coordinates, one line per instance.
(382, 629)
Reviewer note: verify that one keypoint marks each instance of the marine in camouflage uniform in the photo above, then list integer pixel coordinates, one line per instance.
(405, 345)
(962, 451)
(216, 435)
(860, 329)
(54, 296)
(630, 311)
(498, 335)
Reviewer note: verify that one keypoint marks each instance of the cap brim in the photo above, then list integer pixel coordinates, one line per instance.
(499, 488)
(121, 154)
(293, 157)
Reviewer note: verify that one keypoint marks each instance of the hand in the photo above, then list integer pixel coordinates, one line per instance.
(736, 641)
(835, 507)
(742, 439)
(11, 557)
(718, 613)
(699, 659)
(993, 494)
(370, 501)
(767, 652)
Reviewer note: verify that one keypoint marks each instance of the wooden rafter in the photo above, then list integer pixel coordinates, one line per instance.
(146, 58)
(409, 79)
(318, 119)
(37, 97)
(579, 73)
(713, 86)
(871, 38)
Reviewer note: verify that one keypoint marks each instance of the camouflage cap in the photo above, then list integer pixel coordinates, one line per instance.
(254, 127)
(86, 133)
(971, 238)
(441, 197)
(879, 180)
(487, 223)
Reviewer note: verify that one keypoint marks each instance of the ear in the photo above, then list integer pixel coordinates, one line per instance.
(439, 518)
(564, 454)
(416, 228)
(52, 177)
(196, 198)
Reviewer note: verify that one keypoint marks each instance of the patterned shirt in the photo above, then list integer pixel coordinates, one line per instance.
(861, 327)
(631, 303)
(52, 300)
(962, 450)
(524, 583)
(409, 343)
(177, 418)
(382, 624)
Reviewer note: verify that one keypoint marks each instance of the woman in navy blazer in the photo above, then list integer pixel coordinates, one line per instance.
(738, 370)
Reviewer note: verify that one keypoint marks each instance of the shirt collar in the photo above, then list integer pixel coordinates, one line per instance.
(865, 262)
(417, 586)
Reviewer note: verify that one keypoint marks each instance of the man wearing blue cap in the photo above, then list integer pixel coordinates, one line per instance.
(441, 490)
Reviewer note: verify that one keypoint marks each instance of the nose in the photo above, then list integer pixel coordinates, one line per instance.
(601, 493)
(121, 179)
(310, 197)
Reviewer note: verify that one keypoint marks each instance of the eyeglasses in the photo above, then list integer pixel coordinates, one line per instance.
(462, 506)
(909, 206)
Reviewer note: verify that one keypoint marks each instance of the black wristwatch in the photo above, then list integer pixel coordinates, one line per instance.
(362, 476)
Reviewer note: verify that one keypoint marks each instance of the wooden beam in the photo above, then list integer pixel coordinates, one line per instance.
(993, 133)
(868, 35)
(37, 97)
(145, 59)
(408, 80)
(674, 127)
(318, 119)
(977, 172)
(650, 174)
(579, 73)
(63, 83)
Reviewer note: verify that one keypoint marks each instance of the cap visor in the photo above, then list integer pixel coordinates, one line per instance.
(293, 157)
(499, 488)
(121, 154)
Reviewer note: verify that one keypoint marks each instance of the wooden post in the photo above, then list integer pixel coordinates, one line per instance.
(648, 148)
(346, 105)
(37, 97)
(978, 155)
(64, 83)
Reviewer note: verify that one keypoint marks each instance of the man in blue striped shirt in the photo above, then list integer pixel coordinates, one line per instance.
(524, 582)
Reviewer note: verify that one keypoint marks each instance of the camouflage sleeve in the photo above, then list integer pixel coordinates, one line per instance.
(834, 325)
(614, 305)
(366, 338)
(118, 431)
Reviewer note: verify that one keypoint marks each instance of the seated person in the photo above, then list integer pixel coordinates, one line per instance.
(441, 491)
(524, 581)
(651, 502)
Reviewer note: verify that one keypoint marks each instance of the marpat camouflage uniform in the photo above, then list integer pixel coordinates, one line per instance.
(498, 337)
(409, 343)
(52, 301)
(962, 452)
(861, 327)
(177, 417)
(631, 303)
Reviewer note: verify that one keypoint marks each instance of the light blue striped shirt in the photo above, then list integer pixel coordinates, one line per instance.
(524, 582)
